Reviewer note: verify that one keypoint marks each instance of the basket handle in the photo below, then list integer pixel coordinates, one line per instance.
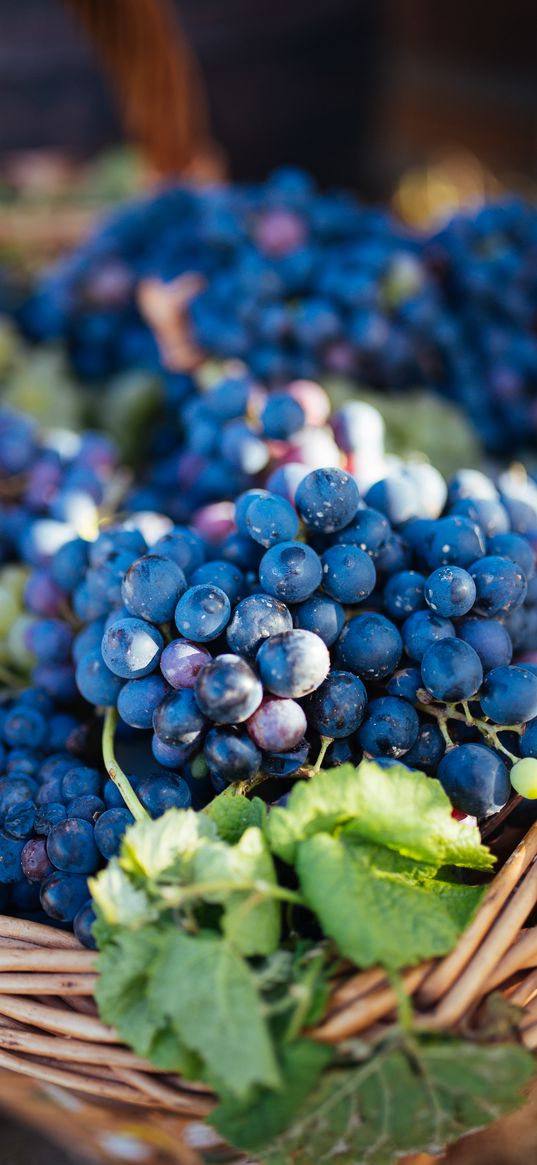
(158, 82)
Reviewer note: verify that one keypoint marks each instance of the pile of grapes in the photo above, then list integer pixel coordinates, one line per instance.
(278, 595)
(294, 280)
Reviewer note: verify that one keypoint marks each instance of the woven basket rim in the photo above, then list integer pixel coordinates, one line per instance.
(50, 1028)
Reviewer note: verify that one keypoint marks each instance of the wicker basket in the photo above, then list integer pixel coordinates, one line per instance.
(50, 1030)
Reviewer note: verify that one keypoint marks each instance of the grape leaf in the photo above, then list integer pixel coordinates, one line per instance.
(405, 811)
(252, 1123)
(121, 990)
(370, 907)
(207, 992)
(165, 846)
(251, 919)
(233, 814)
(400, 1102)
(118, 903)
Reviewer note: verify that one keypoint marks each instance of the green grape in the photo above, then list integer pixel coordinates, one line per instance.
(524, 777)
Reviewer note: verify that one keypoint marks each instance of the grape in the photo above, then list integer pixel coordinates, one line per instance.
(278, 725)
(450, 591)
(227, 690)
(202, 613)
(337, 707)
(323, 616)
(14, 790)
(500, 584)
(231, 754)
(523, 777)
(405, 683)
(369, 645)
(87, 806)
(131, 648)
(242, 505)
(79, 781)
(158, 794)
(428, 750)
(489, 639)
(348, 573)
(528, 740)
(509, 695)
(182, 661)
(19, 820)
(178, 719)
(293, 663)
(82, 925)
(220, 574)
(390, 727)
(255, 619)
(455, 541)
(369, 530)
(24, 725)
(138, 699)
(475, 779)
(152, 588)
(96, 683)
(10, 858)
(282, 416)
(421, 630)
(451, 670)
(403, 593)
(184, 546)
(327, 499)
(290, 571)
(71, 846)
(271, 520)
(62, 895)
(109, 830)
(285, 764)
(516, 548)
(34, 860)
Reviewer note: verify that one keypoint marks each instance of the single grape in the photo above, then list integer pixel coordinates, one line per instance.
(224, 575)
(80, 781)
(337, 707)
(63, 895)
(182, 661)
(270, 520)
(421, 630)
(158, 794)
(282, 416)
(278, 725)
(96, 683)
(516, 548)
(152, 588)
(71, 847)
(228, 690)
(428, 750)
(178, 719)
(285, 764)
(322, 615)
(293, 663)
(369, 645)
(500, 584)
(138, 699)
(528, 740)
(231, 754)
(454, 541)
(109, 830)
(390, 727)
(405, 683)
(87, 806)
(82, 925)
(369, 530)
(451, 670)
(255, 619)
(131, 648)
(509, 695)
(290, 571)
(202, 613)
(523, 777)
(348, 573)
(450, 591)
(475, 779)
(34, 860)
(490, 639)
(327, 499)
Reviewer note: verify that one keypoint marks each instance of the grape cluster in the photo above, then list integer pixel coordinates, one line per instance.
(294, 280)
(327, 624)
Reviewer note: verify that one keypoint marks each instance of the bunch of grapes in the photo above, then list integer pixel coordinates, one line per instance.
(294, 280)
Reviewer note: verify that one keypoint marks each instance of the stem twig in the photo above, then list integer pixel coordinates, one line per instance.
(116, 773)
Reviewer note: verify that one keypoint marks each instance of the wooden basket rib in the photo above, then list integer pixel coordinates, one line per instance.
(47, 981)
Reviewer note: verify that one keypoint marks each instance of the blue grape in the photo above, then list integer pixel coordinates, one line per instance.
(285, 764)
(10, 858)
(278, 725)
(19, 820)
(405, 683)
(428, 750)
(88, 806)
(475, 779)
(96, 683)
(222, 574)
(282, 416)
(158, 794)
(454, 541)
(79, 781)
(509, 695)
(62, 895)
(490, 639)
(202, 613)
(270, 520)
(290, 571)
(337, 707)
(369, 645)
(14, 790)
(348, 573)
(500, 584)
(35, 864)
(178, 719)
(390, 727)
(228, 690)
(369, 530)
(451, 670)
(231, 754)
(152, 588)
(515, 547)
(183, 546)
(320, 614)
(109, 830)
(131, 648)
(450, 591)
(24, 726)
(327, 499)
(138, 699)
(487, 513)
(49, 813)
(528, 740)
(255, 619)
(421, 630)
(71, 846)
(403, 593)
(293, 663)
(82, 925)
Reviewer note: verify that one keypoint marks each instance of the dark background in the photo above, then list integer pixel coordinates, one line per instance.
(355, 90)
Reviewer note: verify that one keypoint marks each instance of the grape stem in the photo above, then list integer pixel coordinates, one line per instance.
(326, 741)
(115, 772)
(489, 731)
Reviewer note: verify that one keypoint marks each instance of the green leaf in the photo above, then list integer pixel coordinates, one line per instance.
(404, 810)
(251, 918)
(255, 1122)
(375, 912)
(400, 1102)
(118, 903)
(166, 846)
(168, 1054)
(121, 991)
(233, 814)
(206, 990)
